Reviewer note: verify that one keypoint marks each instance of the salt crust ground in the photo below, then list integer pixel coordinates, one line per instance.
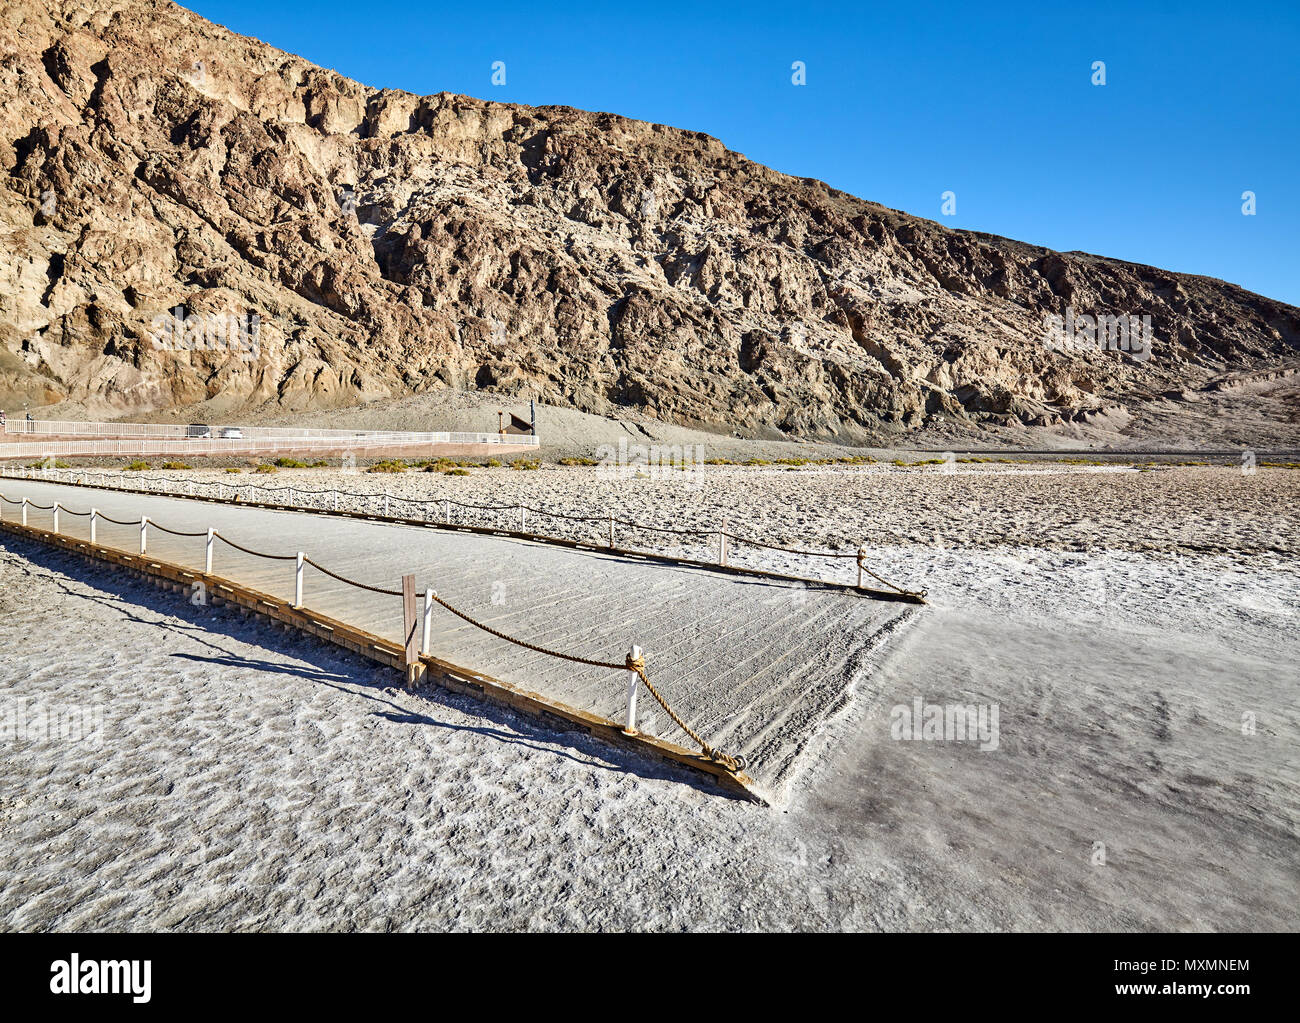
(249, 779)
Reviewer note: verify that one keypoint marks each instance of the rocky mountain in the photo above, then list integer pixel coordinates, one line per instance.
(192, 217)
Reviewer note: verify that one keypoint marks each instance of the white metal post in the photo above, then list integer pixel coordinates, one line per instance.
(144, 525)
(24, 511)
(94, 515)
(56, 516)
(428, 622)
(611, 527)
(297, 582)
(207, 554)
(862, 553)
(385, 506)
(722, 543)
(633, 679)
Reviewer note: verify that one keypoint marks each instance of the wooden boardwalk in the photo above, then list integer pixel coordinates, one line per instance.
(755, 665)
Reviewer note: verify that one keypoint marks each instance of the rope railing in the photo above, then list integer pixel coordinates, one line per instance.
(608, 519)
(634, 661)
(248, 550)
(351, 582)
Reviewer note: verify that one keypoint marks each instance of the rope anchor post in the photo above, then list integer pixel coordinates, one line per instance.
(297, 581)
(144, 533)
(24, 511)
(56, 516)
(862, 553)
(634, 663)
(722, 544)
(207, 554)
(426, 645)
(94, 518)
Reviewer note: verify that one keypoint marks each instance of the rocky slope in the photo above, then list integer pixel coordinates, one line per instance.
(392, 244)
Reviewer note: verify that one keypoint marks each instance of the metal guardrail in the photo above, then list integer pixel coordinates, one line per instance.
(182, 431)
(245, 446)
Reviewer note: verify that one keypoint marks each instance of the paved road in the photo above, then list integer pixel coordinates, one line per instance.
(754, 665)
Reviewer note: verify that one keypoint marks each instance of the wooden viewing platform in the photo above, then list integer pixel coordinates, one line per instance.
(756, 665)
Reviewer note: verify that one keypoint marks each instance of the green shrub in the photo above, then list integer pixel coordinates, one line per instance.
(578, 461)
(234, 469)
(525, 465)
(290, 463)
(388, 465)
(493, 463)
(174, 465)
(456, 472)
(137, 466)
(265, 469)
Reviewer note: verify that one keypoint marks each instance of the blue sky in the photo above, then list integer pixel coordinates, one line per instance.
(905, 101)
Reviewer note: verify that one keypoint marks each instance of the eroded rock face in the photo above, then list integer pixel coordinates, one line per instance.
(392, 243)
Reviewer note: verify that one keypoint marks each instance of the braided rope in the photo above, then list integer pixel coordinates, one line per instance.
(256, 554)
(174, 532)
(906, 593)
(351, 582)
(788, 550)
(732, 763)
(118, 522)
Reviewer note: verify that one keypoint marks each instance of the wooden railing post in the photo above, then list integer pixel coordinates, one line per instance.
(633, 680)
(410, 625)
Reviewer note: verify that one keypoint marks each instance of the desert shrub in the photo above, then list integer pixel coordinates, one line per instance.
(525, 465)
(265, 469)
(138, 466)
(456, 472)
(234, 469)
(578, 461)
(290, 463)
(174, 465)
(493, 463)
(389, 465)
